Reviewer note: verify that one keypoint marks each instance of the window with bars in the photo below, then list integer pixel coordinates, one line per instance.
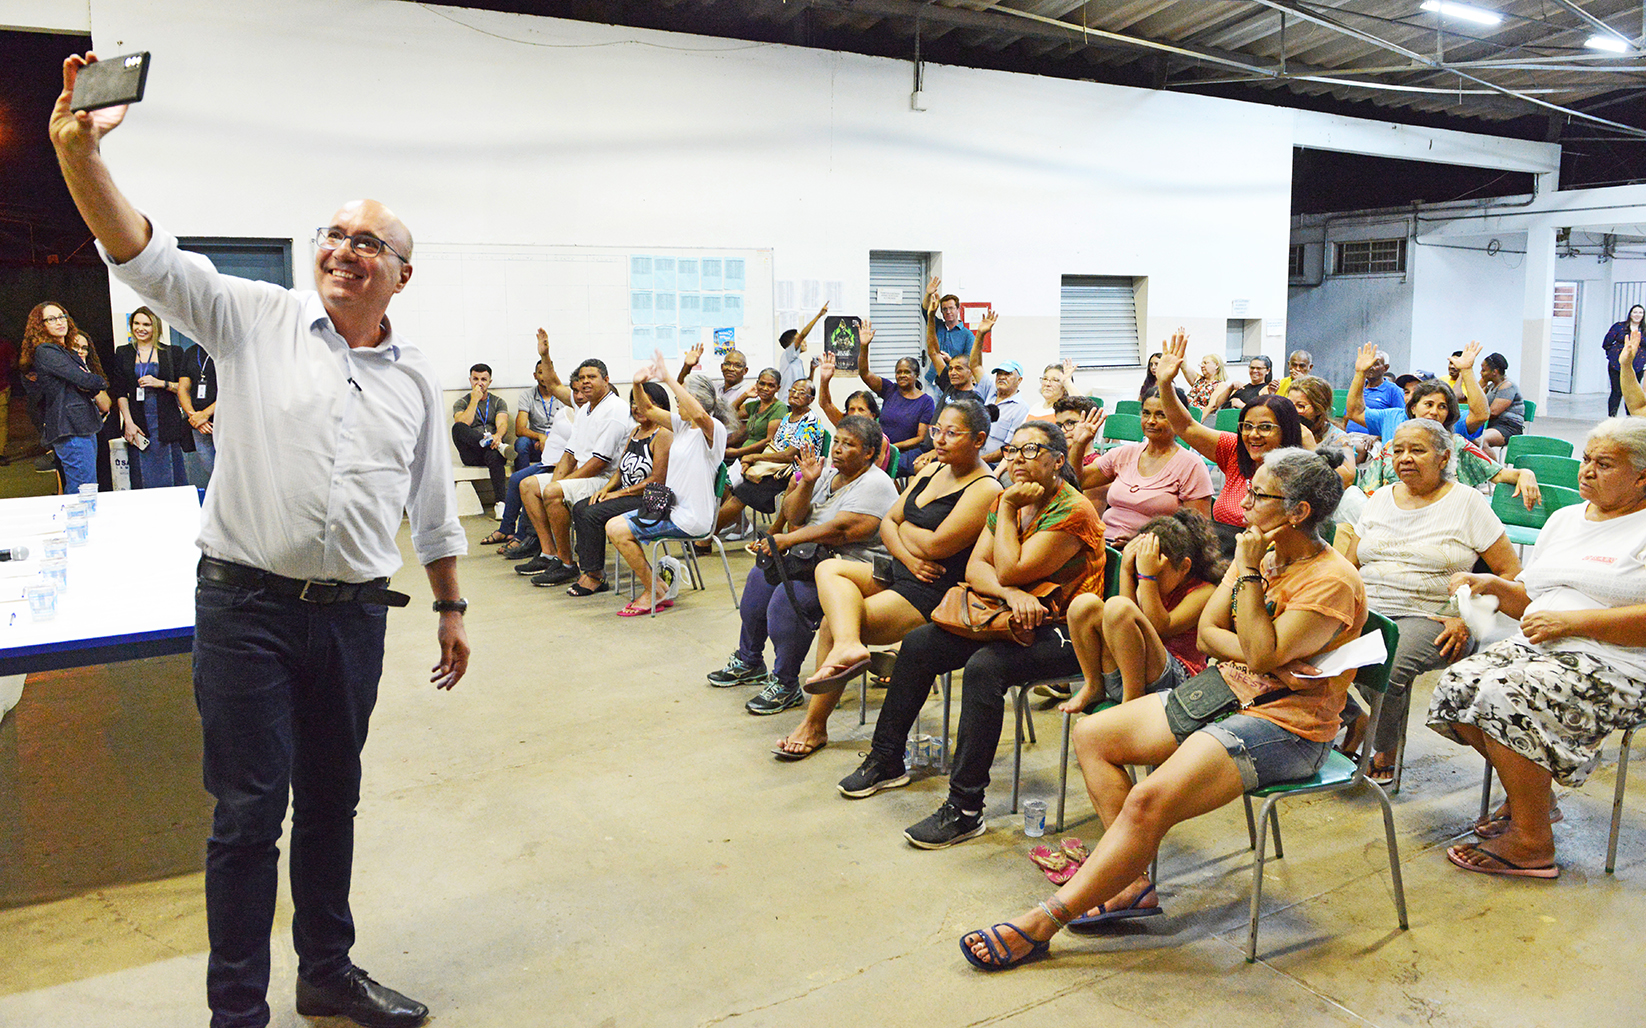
(1370, 257)
(1294, 261)
(897, 284)
(1097, 324)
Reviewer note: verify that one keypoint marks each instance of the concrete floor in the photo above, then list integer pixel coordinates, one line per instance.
(584, 833)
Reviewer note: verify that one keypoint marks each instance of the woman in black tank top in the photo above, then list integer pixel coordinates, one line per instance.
(930, 533)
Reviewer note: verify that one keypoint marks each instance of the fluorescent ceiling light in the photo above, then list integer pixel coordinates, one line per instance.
(1612, 43)
(1463, 12)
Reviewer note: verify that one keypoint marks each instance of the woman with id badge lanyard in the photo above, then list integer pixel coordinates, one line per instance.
(197, 395)
(145, 373)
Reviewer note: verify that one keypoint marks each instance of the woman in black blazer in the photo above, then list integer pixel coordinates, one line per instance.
(145, 373)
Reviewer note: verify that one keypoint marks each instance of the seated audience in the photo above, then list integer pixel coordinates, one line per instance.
(695, 456)
(759, 478)
(906, 411)
(1042, 533)
(478, 423)
(929, 533)
(1412, 537)
(1470, 465)
(1143, 480)
(1313, 399)
(1144, 639)
(759, 416)
(644, 461)
(1300, 364)
(1202, 386)
(1056, 383)
(1286, 599)
(596, 441)
(1539, 705)
(1009, 409)
(1260, 374)
(1149, 376)
(862, 403)
(542, 424)
(1267, 423)
(1505, 407)
(838, 507)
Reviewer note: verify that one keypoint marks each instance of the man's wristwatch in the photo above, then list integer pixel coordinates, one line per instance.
(442, 606)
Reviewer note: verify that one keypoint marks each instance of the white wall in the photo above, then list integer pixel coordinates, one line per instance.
(1461, 295)
(260, 119)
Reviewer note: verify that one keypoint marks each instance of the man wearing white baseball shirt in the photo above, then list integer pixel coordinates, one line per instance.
(331, 426)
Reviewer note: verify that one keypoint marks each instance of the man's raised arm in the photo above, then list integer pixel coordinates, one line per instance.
(77, 138)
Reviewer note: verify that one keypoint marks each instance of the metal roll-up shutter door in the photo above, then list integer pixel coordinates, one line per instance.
(900, 327)
(1098, 322)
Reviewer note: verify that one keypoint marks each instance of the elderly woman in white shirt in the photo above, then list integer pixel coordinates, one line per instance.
(1539, 705)
(1412, 537)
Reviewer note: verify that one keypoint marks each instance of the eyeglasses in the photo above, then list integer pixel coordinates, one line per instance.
(1029, 451)
(1252, 496)
(363, 245)
(946, 434)
(1260, 427)
(56, 317)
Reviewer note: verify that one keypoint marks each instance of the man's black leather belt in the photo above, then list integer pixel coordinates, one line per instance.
(242, 577)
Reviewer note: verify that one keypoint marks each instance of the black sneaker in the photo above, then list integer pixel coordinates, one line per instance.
(524, 549)
(537, 565)
(945, 828)
(872, 776)
(737, 673)
(555, 575)
(776, 698)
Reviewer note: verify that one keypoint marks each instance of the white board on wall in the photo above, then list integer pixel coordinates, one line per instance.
(473, 303)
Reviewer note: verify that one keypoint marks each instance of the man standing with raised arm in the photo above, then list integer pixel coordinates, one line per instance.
(332, 426)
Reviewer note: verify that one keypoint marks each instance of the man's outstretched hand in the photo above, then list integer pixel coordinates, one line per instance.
(80, 132)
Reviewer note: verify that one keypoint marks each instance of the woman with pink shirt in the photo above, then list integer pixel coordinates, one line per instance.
(1150, 479)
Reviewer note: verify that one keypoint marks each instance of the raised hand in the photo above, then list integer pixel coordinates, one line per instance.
(809, 464)
(1068, 366)
(542, 344)
(83, 130)
(1365, 357)
(694, 355)
(1631, 347)
(1082, 432)
(660, 366)
(1471, 354)
(1173, 353)
(865, 333)
(825, 368)
(932, 289)
(987, 324)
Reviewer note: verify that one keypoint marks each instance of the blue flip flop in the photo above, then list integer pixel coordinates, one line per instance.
(1000, 954)
(1092, 923)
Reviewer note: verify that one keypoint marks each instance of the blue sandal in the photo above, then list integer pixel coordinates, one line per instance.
(1000, 954)
(1092, 923)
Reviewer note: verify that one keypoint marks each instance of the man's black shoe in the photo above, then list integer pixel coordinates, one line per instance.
(355, 996)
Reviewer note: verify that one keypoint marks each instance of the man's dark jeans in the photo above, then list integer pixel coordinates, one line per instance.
(285, 690)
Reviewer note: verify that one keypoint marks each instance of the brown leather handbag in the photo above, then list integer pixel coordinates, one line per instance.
(971, 615)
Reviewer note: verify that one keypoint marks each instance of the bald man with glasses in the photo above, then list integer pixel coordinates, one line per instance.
(334, 425)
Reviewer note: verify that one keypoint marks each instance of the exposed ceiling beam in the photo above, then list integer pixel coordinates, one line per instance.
(1596, 22)
(1307, 13)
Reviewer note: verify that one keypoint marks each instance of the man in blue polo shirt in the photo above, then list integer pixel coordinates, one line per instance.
(954, 339)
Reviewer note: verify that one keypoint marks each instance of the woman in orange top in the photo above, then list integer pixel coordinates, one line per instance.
(1286, 598)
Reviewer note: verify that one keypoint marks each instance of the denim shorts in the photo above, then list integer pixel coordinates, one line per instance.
(1264, 752)
(1176, 674)
(664, 529)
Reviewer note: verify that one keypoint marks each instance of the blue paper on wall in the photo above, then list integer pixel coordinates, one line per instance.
(725, 340)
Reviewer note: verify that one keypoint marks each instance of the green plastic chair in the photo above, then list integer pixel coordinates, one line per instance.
(1098, 400)
(1228, 420)
(1522, 525)
(1340, 403)
(1339, 773)
(1127, 407)
(1531, 411)
(1124, 428)
(1550, 469)
(1520, 444)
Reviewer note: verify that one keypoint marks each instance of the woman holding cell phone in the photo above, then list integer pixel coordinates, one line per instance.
(146, 372)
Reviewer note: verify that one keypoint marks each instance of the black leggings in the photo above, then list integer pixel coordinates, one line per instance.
(590, 520)
(991, 669)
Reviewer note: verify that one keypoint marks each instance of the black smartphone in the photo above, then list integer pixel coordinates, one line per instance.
(882, 568)
(111, 82)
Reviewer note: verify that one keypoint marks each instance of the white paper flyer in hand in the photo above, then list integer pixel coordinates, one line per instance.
(1368, 649)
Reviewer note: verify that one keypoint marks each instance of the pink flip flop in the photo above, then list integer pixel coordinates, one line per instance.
(1506, 868)
(634, 610)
